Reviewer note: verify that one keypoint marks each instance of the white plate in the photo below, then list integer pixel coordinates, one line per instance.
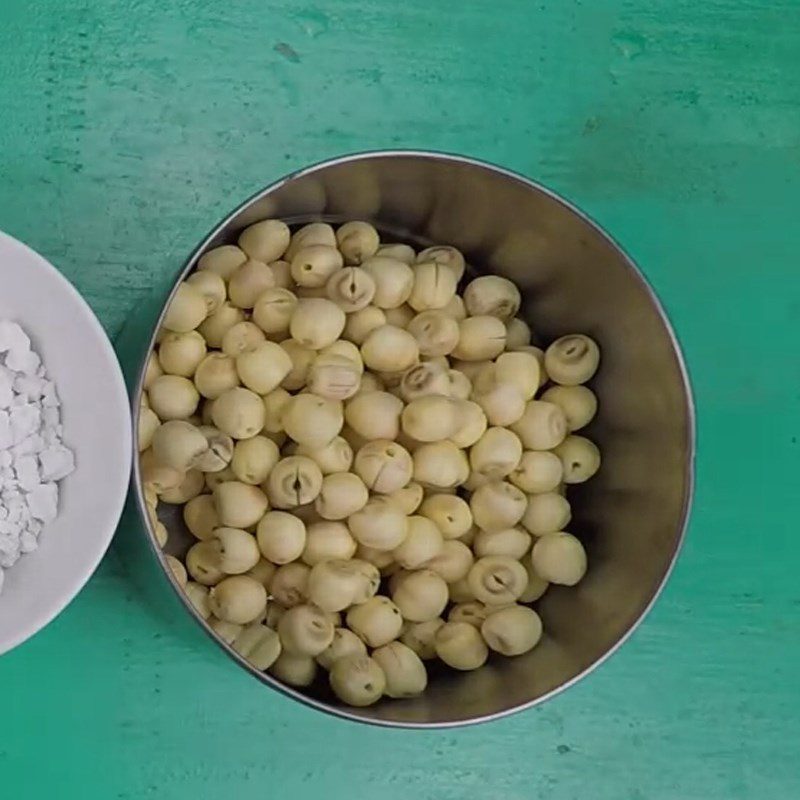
(95, 413)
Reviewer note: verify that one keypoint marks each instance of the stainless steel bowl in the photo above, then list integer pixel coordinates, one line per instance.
(633, 515)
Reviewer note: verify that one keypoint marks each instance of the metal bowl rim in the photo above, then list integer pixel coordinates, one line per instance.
(636, 274)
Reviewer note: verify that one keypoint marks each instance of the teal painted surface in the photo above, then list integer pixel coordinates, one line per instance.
(128, 128)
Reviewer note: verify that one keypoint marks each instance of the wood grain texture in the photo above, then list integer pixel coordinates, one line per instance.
(129, 127)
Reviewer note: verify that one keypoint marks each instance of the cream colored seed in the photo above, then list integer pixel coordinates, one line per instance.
(492, 295)
(435, 332)
(211, 286)
(450, 513)
(559, 558)
(266, 240)
(214, 479)
(400, 252)
(460, 646)
(360, 324)
(389, 349)
(281, 537)
(239, 412)
(394, 281)
(357, 680)
(305, 630)
(328, 540)
(200, 516)
(335, 584)
(520, 370)
(294, 481)
(496, 454)
(423, 541)
(384, 466)
(420, 636)
(537, 472)
(178, 444)
(186, 310)
(227, 631)
(447, 256)
(406, 499)
(152, 371)
(214, 327)
(572, 359)
(178, 571)
(404, 671)
(400, 316)
(580, 459)
(263, 572)
(342, 494)
(215, 374)
(374, 415)
(156, 475)
(421, 595)
(497, 505)
(273, 311)
(336, 456)
(460, 591)
(191, 486)
(302, 358)
(334, 377)
(546, 513)
(274, 405)
(434, 286)
(219, 453)
(312, 266)
(259, 644)
(379, 525)
(376, 621)
(289, 584)
(222, 261)
(345, 643)
(263, 368)
(203, 563)
(512, 631)
(357, 241)
(248, 282)
(313, 233)
(148, 425)
(578, 403)
(472, 612)
(497, 580)
(536, 587)
(453, 562)
(351, 288)
(428, 378)
(312, 420)
(173, 397)
(296, 670)
(543, 426)
(480, 338)
(473, 424)
(381, 559)
(253, 459)
(431, 418)
(197, 594)
(237, 550)
(316, 322)
(241, 338)
(511, 542)
(180, 353)
(518, 334)
(440, 465)
(239, 505)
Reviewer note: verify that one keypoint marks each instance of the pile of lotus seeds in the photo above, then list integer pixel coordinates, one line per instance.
(370, 453)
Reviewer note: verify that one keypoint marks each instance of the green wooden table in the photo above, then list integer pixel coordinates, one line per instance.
(128, 128)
